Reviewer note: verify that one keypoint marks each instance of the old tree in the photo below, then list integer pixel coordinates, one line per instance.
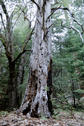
(37, 101)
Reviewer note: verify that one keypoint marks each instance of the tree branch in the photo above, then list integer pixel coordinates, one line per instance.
(76, 30)
(54, 9)
(52, 12)
(4, 9)
(20, 54)
(82, 28)
(27, 39)
(24, 46)
(71, 14)
(2, 21)
(16, 20)
(36, 4)
(26, 18)
(61, 8)
(3, 40)
(7, 17)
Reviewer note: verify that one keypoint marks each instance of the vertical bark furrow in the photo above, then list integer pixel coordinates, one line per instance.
(49, 82)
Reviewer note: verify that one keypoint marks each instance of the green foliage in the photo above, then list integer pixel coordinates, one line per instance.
(68, 65)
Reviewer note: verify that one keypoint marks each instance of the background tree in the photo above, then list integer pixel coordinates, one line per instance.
(7, 39)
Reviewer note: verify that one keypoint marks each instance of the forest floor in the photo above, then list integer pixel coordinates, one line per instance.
(61, 119)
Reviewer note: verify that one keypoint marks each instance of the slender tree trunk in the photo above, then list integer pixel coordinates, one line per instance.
(37, 101)
(12, 87)
(20, 77)
(74, 99)
(15, 80)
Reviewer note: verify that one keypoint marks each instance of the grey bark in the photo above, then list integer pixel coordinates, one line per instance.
(37, 101)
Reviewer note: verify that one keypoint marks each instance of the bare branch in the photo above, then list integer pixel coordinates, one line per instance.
(2, 21)
(36, 4)
(24, 46)
(20, 54)
(27, 39)
(52, 12)
(61, 8)
(82, 28)
(75, 29)
(3, 40)
(71, 14)
(7, 17)
(16, 20)
(4, 9)
(26, 18)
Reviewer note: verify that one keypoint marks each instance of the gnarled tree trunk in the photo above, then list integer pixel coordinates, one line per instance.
(37, 101)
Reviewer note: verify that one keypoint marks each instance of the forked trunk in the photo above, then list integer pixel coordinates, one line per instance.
(37, 101)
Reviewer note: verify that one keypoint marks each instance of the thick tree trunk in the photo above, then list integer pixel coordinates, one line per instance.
(37, 101)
